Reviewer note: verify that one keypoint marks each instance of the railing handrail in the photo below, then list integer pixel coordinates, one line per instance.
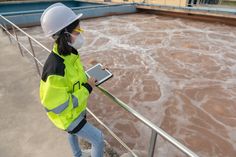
(147, 122)
(25, 33)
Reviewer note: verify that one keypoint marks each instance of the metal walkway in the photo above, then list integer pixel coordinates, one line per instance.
(155, 129)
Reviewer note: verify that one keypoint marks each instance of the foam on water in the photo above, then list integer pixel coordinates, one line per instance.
(180, 74)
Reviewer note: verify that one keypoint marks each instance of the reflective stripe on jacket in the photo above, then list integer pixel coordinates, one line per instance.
(64, 90)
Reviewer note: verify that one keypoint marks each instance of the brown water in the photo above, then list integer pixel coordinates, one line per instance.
(178, 73)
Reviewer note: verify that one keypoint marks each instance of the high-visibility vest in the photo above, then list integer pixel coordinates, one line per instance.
(63, 91)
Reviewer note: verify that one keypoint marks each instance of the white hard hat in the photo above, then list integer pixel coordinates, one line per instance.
(56, 17)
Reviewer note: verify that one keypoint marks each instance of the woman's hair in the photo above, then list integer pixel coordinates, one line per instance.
(64, 48)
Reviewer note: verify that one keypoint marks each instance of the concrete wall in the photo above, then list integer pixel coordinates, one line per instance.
(161, 2)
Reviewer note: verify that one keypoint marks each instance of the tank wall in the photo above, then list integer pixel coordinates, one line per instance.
(28, 6)
(181, 3)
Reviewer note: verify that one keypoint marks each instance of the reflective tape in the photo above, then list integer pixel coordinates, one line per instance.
(77, 121)
(60, 108)
(75, 101)
(63, 106)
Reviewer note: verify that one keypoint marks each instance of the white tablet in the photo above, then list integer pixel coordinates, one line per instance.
(101, 75)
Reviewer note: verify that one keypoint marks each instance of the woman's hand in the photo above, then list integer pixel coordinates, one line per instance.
(104, 67)
(92, 81)
(93, 61)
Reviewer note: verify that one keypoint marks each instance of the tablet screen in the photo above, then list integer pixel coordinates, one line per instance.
(98, 73)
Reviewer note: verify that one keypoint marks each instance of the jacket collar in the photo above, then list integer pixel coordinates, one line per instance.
(69, 58)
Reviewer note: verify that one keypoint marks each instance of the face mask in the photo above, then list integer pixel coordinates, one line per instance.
(78, 43)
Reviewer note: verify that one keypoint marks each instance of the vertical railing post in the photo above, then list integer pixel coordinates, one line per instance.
(7, 33)
(152, 143)
(35, 61)
(13, 28)
(2, 28)
(198, 2)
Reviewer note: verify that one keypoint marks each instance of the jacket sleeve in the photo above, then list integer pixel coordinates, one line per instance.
(56, 96)
(88, 87)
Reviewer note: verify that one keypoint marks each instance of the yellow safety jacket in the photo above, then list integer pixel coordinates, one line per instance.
(64, 90)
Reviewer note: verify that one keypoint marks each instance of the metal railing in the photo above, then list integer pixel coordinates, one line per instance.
(155, 130)
(179, 3)
(202, 2)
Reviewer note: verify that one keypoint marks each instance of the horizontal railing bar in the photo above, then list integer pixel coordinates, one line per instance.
(149, 124)
(112, 133)
(25, 33)
(27, 50)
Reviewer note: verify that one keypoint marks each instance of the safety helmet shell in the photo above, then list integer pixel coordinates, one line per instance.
(56, 17)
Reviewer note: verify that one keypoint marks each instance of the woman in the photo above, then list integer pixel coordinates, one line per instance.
(64, 87)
